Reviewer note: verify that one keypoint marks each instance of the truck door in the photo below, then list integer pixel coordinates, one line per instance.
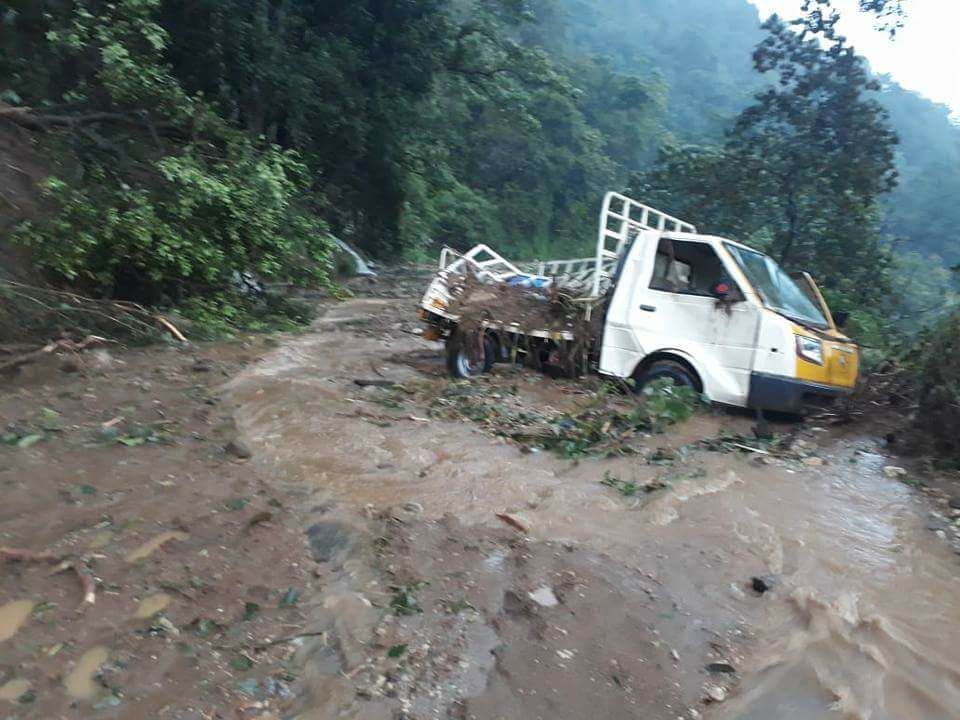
(677, 309)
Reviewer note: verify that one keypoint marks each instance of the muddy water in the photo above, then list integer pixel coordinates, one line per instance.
(12, 616)
(152, 605)
(151, 546)
(863, 620)
(81, 682)
(13, 690)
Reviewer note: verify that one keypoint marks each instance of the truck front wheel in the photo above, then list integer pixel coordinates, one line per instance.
(678, 372)
(460, 361)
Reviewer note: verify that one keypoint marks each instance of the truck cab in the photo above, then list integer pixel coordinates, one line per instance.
(724, 318)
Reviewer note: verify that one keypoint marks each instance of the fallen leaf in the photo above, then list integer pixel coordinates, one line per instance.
(290, 598)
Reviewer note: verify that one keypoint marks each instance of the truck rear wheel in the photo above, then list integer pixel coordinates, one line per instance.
(679, 373)
(459, 362)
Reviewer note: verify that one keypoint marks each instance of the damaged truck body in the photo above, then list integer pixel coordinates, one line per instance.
(657, 300)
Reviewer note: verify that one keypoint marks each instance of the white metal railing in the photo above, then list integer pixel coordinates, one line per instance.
(485, 262)
(619, 217)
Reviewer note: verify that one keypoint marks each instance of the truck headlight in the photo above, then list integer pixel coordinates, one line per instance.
(810, 349)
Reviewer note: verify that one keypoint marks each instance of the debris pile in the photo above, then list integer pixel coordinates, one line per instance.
(477, 304)
(520, 309)
(610, 422)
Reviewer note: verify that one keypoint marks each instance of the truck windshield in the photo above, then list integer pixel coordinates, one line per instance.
(777, 289)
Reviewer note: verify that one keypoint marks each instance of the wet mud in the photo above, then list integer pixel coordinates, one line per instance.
(661, 619)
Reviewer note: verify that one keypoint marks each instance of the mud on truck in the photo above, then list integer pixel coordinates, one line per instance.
(657, 300)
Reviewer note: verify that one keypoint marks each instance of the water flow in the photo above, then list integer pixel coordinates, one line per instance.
(863, 620)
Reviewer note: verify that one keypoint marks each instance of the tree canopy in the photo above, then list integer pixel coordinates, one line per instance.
(193, 140)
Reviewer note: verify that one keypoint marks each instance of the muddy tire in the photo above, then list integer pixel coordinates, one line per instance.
(679, 373)
(459, 364)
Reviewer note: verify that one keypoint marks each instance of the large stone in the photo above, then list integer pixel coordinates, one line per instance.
(238, 449)
(328, 539)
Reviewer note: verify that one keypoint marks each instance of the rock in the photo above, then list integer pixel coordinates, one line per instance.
(238, 449)
(414, 508)
(954, 502)
(941, 534)
(694, 714)
(327, 539)
(721, 667)
(892, 471)
(813, 461)
(544, 597)
(202, 365)
(762, 584)
(715, 693)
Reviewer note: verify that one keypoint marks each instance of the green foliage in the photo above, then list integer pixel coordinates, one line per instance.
(627, 488)
(801, 174)
(934, 366)
(201, 138)
(157, 198)
(202, 220)
(667, 403)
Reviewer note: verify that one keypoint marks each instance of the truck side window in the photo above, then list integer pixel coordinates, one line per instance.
(686, 267)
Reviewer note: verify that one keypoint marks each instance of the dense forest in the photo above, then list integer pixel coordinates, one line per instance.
(194, 139)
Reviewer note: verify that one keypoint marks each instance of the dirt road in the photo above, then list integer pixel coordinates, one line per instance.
(415, 567)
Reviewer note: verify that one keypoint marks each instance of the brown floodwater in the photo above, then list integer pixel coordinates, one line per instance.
(81, 682)
(12, 617)
(863, 620)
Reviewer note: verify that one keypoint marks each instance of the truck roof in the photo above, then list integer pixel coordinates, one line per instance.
(708, 238)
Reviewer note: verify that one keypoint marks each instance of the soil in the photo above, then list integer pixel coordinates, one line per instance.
(268, 538)
(196, 558)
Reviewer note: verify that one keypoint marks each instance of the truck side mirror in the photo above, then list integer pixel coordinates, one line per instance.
(722, 289)
(840, 318)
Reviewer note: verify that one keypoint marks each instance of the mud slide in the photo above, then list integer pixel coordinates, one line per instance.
(465, 578)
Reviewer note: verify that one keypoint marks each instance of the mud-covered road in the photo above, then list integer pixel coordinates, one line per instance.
(370, 559)
(591, 603)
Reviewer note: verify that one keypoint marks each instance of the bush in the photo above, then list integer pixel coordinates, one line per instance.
(936, 370)
(185, 231)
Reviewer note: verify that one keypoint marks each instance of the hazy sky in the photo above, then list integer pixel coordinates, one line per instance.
(924, 56)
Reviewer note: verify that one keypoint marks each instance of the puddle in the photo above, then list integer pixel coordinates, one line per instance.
(151, 546)
(81, 683)
(12, 617)
(150, 606)
(12, 690)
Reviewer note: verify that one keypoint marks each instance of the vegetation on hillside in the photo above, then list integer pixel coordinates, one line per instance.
(198, 141)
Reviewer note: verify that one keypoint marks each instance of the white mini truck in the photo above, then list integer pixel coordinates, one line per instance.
(705, 311)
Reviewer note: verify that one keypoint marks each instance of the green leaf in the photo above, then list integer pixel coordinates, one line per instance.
(250, 686)
(131, 441)
(236, 504)
(250, 610)
(206, 626)
(290, 598)
(29, 440)
(50, 419)
(396, 651)
(241, 663)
